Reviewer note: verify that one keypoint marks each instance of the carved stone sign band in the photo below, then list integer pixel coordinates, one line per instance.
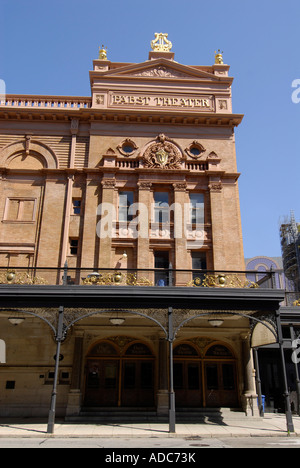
(204, 103)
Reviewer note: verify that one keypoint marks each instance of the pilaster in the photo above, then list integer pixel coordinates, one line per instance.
(90, 241)
(216, 204)
(108, 212)
(144, 199)
(180, 232)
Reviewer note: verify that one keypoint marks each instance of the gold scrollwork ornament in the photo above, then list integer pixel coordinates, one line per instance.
(103, 53)
(161, 43)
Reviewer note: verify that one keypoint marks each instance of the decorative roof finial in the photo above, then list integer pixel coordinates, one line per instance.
(103, 53)
(161, 43)
(219, 58)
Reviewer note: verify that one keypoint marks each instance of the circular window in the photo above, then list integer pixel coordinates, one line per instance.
(195, 150)
(127, 147)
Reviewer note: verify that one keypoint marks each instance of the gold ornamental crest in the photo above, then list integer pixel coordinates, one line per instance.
(162, 157)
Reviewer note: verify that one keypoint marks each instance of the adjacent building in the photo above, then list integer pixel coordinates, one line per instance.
(290, 247)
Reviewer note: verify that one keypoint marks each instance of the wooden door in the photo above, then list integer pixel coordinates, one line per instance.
(102, 383)
(137, 383)
(187, 384)
(220, 384)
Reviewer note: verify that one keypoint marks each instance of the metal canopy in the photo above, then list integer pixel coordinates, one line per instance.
(140, 297)
(197, 302)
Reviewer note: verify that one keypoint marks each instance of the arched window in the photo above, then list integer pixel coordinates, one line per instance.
(103, 349)
(219, 351)
(138, 349)
(185, 350)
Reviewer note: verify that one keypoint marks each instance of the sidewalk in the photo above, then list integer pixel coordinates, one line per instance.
(270, 425)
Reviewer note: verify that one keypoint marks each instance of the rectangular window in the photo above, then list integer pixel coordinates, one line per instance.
(198, 264)
(212, 377)
(125, 202)
(197, 208)
(110, 375)
(161, 207)
(129, 375)
(65, 376)
(10, 385)
(20, 210)
(74, 246)
(76, 210)
(198, 261)
(13, 210)
(93, 380)
(228, 377)
(161, 261)
(146, 375)
(178, 376)
(193, 377)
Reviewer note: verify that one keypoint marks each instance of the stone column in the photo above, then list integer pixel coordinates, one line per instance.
(249, 397)
(75, 395)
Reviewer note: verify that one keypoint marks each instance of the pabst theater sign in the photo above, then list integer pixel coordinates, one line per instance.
(204, 103)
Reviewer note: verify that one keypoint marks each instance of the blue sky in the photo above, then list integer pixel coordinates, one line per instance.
(47, 47)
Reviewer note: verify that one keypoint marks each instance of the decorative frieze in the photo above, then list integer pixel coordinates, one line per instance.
(180, 186)
(144, 185)
(108, 183)
(215, 187)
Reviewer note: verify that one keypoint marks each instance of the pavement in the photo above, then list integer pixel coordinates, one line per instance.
(272, 425)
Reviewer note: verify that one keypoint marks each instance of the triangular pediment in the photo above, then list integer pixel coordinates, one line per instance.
(162, 69)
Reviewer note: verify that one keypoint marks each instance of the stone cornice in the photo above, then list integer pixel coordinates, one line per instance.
(155, 117)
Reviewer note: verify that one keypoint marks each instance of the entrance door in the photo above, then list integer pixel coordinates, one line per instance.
(220, 384)
(187, 384)
(119, 375)
(137, 385)
(187, 377)
(102, 385)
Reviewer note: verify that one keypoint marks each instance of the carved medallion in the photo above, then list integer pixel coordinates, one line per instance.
(162, 154)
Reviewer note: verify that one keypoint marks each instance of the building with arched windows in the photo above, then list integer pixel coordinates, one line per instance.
(120, 237)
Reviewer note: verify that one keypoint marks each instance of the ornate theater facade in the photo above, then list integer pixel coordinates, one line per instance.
(121, 254)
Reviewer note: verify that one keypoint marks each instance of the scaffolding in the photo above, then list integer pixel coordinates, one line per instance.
(290, 247)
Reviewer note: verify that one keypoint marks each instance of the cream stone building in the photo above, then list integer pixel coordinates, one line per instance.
(121, 210)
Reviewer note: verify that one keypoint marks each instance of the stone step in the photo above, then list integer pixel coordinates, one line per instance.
(123, 415)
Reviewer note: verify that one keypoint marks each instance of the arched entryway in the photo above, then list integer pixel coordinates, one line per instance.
(119, 372)
(205, 378)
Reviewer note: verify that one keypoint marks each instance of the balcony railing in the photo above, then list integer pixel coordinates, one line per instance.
(46, 102)
(159, 277)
